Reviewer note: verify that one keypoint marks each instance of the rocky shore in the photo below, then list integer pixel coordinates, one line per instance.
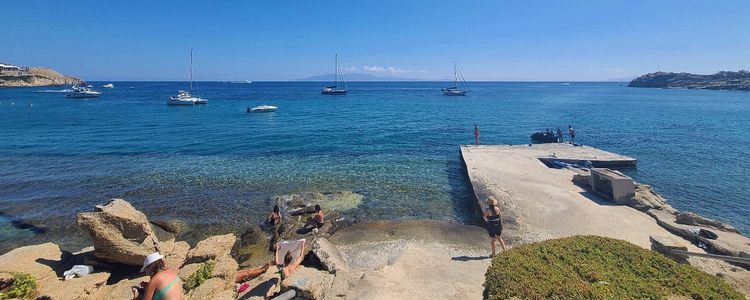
(724, 80)
(35, 77)
(362, 260)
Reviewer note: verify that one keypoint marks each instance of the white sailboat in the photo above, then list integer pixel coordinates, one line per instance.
(456, 90)
(335, 89)
(186, 97)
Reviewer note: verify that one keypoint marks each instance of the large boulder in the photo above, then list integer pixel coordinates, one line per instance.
(309, 283)
(121, 234)
(212, 287)
(212, 248)
(226, 269)
(689, 218)
(175, 253)
(329, 256)
(172, 226)
(39, 261)
(76, 288)
(646, 198)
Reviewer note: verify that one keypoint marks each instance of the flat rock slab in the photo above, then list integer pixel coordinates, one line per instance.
(541, 203)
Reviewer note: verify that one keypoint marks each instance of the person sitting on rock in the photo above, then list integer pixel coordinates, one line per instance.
(291, 264)
(317, 220)
(275, 217)
(165, 284)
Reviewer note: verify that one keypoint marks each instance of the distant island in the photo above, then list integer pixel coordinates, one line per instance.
(356, 77)
(724, 80)
(17, 76)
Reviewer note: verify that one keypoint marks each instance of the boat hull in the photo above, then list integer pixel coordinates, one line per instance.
(82, 96)
(455, 93)
(333, 92)
(177, 102)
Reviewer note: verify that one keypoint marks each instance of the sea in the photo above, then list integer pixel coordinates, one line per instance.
(218, 167)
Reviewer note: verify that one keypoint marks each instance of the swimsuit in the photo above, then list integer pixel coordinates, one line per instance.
(494, 226)
(160, 294)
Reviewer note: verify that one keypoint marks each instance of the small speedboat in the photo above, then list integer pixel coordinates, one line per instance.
(83, 92)
(544, 137)
(108, 85)
(262, 108)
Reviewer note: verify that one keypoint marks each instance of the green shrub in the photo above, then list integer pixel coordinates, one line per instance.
(23, 287)
(593, 267)
(201, 275)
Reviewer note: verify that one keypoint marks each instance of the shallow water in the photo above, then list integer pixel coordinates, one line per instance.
(394, 143)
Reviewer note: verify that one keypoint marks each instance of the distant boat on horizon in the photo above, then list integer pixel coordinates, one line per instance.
(241, 81)
(334, 89)
(108, 85)
(455, 90)
(187, 98)
(263, 108)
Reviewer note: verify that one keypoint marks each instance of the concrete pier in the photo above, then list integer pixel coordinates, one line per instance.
(541, 203)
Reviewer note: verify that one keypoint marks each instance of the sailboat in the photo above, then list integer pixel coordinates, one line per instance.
(455, 90)
(187, 98)
(334, 89)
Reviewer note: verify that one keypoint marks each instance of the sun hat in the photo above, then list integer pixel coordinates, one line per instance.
(150, 259)
(491, 200)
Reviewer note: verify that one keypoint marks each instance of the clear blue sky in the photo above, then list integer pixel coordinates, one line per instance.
(283, 40)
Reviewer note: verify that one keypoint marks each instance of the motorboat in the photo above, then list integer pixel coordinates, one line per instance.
(83, 92)
(459, 88)
(544, 137)
(186, 97)
(263, 108)
(108, 85)
(335, 89)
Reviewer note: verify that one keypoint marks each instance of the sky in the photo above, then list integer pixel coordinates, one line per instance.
(286, 40)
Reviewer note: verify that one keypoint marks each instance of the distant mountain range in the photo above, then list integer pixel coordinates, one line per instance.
(356, 77)
(724, 80)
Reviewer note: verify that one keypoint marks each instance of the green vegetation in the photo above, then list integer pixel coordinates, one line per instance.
(593, 267)
(23, 287)
(201, 275)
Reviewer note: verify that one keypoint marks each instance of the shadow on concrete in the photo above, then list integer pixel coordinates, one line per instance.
(465, 204)
(469, 258)
(596, 198)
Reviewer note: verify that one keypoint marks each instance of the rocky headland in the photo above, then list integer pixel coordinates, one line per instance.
(34, 77)
(724, 80)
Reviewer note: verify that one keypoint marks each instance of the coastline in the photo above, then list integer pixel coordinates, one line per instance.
(365, 259)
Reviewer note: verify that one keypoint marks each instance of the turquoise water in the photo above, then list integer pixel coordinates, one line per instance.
(394, 143)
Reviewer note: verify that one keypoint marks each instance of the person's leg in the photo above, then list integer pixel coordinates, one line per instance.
(243, 275)
(492, 243)
(502, 242)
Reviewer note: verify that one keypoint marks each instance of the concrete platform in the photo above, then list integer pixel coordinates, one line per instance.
(541, 203)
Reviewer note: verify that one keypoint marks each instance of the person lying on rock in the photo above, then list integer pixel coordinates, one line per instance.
(317, 220)
(165, 284)
(248, 274)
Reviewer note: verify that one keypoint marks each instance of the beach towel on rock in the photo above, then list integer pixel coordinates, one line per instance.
(293, 246)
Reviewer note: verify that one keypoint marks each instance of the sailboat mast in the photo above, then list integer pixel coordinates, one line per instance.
(336, 72)
(191, 72)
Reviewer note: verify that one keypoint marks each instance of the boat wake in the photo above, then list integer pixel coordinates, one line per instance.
(55, 91)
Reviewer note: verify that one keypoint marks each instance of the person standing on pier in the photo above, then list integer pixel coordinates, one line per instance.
(494, 223)
(559, 135)
(572, 134)
(476, 134)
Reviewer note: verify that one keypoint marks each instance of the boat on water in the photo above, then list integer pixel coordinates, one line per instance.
(241, 81)
(335, 89)
(459, 88)
(186, 98)
(82, 92)
(108, 85)
(544, 137)
(263, 108)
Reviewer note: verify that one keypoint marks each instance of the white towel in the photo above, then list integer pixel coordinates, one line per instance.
(293, 246)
